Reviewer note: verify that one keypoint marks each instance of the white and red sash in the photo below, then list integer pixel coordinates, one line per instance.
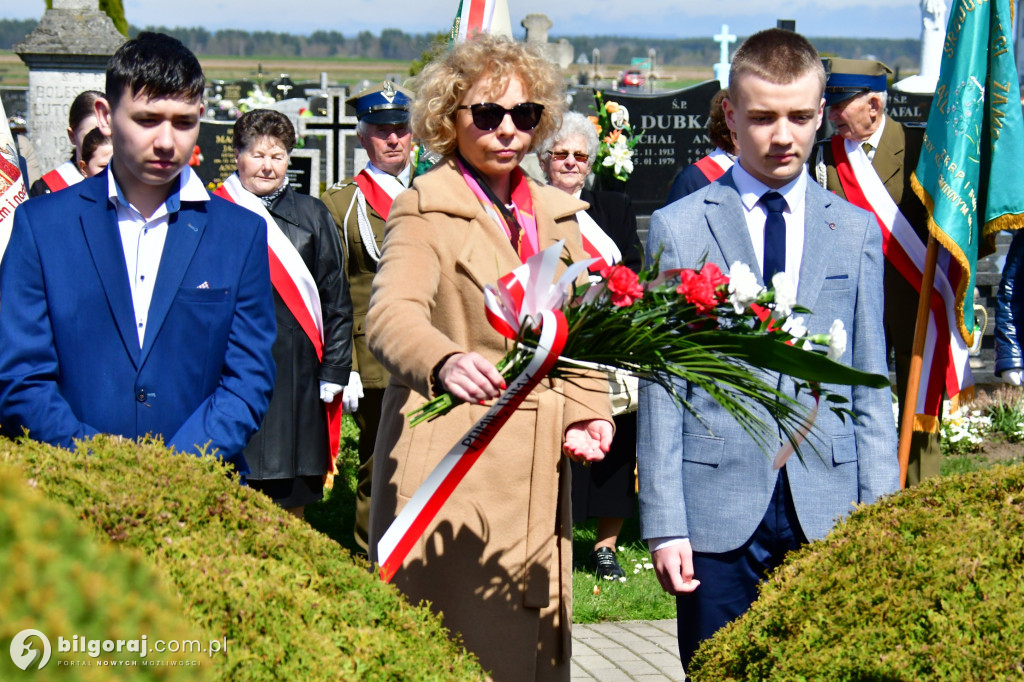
(62, 176)
(597, 243)
(714, 165)
(946, 362)
(293, 283)
(376, 195)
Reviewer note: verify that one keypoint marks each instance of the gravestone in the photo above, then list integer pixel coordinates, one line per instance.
(66, 54)
(909, 108)
(217, 151)
(674, 126)
(338, 128)
(304, 171)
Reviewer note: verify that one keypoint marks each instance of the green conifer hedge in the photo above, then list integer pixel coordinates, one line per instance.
(291, 603)
(55, 577)
(925, 585)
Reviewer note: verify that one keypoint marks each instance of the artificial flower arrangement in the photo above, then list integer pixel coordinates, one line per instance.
(703, 327)
(615, 153)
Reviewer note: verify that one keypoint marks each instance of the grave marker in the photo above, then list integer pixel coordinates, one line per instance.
(338, 129)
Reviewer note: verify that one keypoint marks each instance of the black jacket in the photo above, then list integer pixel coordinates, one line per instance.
(293, 439)
(613, 213)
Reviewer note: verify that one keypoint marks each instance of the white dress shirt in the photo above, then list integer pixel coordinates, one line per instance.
(392, 184)
(143, 240)
(794, 192)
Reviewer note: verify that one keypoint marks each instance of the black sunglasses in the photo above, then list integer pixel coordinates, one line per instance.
(488, 115)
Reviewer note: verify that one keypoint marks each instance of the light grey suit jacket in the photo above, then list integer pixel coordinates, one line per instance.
(703, 477)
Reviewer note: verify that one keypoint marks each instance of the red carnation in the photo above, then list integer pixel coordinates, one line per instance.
(704, 289)
(623, 284)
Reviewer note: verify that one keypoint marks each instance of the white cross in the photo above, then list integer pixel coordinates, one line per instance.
(724, 39)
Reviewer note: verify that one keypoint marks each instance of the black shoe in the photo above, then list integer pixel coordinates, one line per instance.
(607, 566)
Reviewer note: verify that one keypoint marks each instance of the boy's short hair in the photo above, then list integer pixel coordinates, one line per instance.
(777, 56)
(156, 65)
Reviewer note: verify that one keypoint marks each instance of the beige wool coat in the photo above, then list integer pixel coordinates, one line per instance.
(496, 561)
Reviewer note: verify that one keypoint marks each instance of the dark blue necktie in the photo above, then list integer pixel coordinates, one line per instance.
(774, 236)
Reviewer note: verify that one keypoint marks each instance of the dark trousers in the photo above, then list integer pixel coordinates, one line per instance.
(728, 581)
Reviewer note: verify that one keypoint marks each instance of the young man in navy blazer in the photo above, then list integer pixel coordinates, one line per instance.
(716, 513)
(135, 303)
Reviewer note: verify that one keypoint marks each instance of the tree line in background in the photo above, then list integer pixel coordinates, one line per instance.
(395, 44)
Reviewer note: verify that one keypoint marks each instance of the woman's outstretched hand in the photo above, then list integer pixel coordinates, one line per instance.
(588, 441)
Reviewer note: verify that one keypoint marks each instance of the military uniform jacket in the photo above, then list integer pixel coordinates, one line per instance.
(360, 268)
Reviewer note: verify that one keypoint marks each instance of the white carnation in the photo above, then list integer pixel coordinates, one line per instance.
(743, 287)
(785, 295)
(795, 327)
(836, 340)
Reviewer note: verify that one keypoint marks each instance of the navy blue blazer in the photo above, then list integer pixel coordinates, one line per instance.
(70, 361)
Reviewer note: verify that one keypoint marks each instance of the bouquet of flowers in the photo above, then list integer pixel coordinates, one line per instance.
(701, 327)
(615, 153)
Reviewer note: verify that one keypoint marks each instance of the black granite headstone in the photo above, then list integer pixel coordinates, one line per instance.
(217, 152)
(909, 108)
(300, 174)
(674, 126)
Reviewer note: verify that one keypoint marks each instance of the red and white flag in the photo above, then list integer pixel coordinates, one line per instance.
(481, 16)
(12, 185)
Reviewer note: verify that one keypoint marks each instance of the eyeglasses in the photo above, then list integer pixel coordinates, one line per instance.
(488, 115)
(581, 157)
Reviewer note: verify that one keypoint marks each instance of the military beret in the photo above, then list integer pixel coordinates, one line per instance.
(849, 77)
(384, 104)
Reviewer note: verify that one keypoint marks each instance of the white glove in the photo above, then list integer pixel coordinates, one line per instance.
(353, 392)
(328, 391)
(1011, 376)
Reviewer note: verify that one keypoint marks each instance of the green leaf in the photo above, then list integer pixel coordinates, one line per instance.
(772, 354)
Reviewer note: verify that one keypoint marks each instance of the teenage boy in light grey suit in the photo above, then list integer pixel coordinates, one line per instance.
(715, 513)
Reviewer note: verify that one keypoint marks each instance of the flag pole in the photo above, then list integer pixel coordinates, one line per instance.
(917, 358)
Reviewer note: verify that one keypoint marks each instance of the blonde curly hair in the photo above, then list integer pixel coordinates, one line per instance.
(442, 83)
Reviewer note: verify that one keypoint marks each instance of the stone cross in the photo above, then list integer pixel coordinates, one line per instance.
(338, 129)
(724, 39)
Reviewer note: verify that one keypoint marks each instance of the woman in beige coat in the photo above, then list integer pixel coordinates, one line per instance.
(496, 561)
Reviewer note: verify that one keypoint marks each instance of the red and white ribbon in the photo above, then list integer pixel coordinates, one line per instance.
(407, 529)
(529, 290)
(946, 361)
(529, 293)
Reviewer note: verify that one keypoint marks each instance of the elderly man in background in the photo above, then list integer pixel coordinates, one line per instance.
(360, 207)
(856, 97)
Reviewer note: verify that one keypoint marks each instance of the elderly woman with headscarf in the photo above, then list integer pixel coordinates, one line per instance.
(607, 490)
(496, 560)
(298, 440)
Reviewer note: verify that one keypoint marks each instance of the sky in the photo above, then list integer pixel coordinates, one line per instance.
(646, 18)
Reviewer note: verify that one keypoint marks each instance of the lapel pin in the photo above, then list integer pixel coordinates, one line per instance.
(193, 227)
(831, 226)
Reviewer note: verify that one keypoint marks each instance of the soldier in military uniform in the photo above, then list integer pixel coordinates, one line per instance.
(360, 207)
(855, 94)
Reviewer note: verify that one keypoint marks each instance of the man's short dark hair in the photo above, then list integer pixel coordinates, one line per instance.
(156, 65)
